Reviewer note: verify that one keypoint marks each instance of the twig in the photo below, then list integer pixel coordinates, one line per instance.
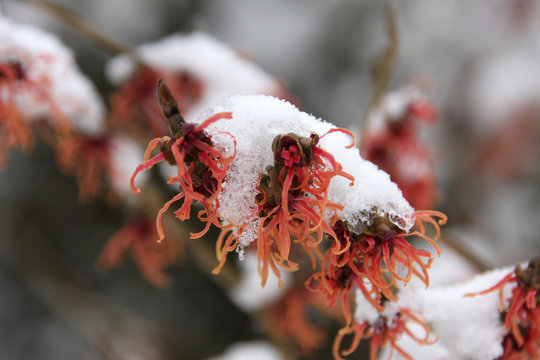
(84, 27)
(383, 67)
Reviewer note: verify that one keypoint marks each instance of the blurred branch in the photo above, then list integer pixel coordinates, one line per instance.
(383, 66)
(84, 27)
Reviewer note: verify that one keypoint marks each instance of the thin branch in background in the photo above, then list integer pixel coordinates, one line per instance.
(383, 66)
(87, 29)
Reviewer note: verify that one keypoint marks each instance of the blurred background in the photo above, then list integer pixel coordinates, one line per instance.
(481, 58)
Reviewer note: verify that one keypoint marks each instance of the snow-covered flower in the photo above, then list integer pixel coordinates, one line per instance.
(101, 163)
(271, 175)
(198, 69)
(39, 80)
(293, 199)
(467, 327)
(391, 142)
(520, 311)
(374, 261)
(201, 167)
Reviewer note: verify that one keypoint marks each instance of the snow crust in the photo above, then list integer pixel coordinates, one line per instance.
(222, 70)
(260, 350)
(248, 294)
(468, 327)
(257, 119)
(50, 66)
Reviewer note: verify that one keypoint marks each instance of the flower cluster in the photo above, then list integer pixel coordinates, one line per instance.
(201, 168)
(374, 261)
(522, 315)
(392, 143)
(297, 204)
(292, 201)
(41, 85)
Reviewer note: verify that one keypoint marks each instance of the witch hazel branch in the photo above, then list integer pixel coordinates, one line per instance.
(290, 185)
(288, 191)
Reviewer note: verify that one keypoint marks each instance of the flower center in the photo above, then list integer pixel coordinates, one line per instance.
(291, 155)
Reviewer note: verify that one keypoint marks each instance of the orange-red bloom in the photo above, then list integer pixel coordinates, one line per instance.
(397, 150)
(14, 131)
(88, 158)
(293, 202)
(384, 331)
(522, 316)
(375, 256)
(201, 168)
(152, 258)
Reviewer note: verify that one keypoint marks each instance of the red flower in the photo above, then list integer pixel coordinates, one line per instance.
(201, 168)
(88, 158)
(384, 331)
(338, 282)
(293, 201)
(522, 317)
(373, 257)
(139, 236)
(14, 130)
(134, 103)
(397, 150)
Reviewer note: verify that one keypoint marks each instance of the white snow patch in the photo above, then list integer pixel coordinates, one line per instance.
(249, 295)
(364, 310)
(260, 350)
(468, 327)
(257, 119)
